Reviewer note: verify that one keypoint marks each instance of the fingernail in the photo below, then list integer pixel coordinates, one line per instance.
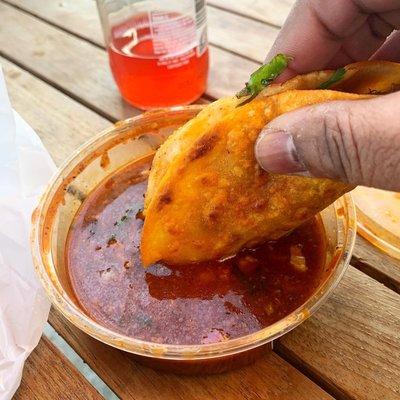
(275, 151)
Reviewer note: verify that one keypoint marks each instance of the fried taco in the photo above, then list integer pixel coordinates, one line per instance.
(207, 197)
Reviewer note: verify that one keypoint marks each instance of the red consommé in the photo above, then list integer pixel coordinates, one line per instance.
(188, 304)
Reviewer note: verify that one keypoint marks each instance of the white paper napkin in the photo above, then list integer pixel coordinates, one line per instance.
(25, 168)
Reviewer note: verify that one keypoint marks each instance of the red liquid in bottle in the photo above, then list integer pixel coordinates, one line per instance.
(156, 62)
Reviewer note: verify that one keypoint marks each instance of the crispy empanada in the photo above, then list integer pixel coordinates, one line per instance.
(207, 196)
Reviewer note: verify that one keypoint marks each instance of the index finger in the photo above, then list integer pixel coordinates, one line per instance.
(316, 32)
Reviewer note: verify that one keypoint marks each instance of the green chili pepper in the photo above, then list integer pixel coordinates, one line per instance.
(335, 77)
(264, 76)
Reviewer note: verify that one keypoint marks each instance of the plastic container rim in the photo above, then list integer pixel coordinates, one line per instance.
(167, 351)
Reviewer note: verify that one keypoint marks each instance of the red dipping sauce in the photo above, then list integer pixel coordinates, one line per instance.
(188, 304)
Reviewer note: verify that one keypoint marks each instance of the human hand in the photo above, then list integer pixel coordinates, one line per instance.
(353, 141)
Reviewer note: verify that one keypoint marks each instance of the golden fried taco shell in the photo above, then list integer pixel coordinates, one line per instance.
(207, 195)
(213, 198)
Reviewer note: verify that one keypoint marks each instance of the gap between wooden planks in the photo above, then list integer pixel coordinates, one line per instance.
(273, 12)
(349, 339)
(376, 264)
(86, 77)
(81, 69)
(48, 375)
(225, 29)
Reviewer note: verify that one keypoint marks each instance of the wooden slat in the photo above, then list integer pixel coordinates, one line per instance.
(79, 17)
(227, 73)
(269, 378)
(48, 375)
(48, 52)
(353, 342)
(235, 33)
(240, 35)
(77, 67)
(62, 123)
(270, 11)
(376, 264)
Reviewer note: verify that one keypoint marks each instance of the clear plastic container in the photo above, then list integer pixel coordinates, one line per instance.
(112, 149)
(378, 217)
(157, 49)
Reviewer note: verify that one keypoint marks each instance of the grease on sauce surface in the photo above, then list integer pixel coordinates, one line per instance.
(189, 304)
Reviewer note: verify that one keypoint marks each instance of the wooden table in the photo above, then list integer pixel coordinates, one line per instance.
(57, 73)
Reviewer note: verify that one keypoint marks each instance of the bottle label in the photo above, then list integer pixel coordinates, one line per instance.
(173, 33)
(201, 27)
(177, 37)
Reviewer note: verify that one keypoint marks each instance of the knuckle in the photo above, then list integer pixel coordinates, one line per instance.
(357, 142)
(349, 127)
(339, 150)
(363, 148)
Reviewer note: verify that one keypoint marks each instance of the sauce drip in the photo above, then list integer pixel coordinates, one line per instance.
(189, 304)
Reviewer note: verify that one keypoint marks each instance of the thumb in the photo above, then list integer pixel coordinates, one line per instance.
(357, 142)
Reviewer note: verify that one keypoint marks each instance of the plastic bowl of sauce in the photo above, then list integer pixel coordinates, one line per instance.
(194, 318)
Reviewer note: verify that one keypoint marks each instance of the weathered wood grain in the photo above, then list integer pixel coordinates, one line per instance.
(48, 375)
(270, 11)
(79, 17)
(240, 35)
(72, 65)
(376, 264)
(81, 69)
(61, 123)
(269, 378)
(353, 342)
(229, 31)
